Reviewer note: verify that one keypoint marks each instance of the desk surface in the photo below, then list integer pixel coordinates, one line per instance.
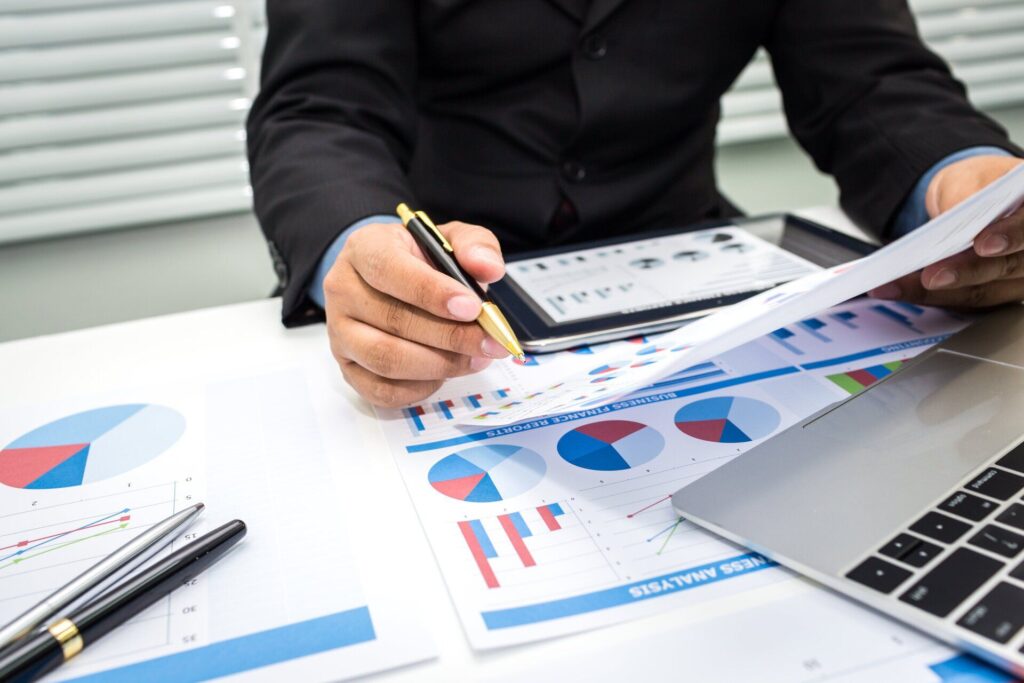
(794, 632)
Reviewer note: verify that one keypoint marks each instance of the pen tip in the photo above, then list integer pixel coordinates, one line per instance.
(521, 357)
(199, 506)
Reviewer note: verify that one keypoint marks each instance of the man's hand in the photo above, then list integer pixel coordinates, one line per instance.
(988, 274)
(398, 328)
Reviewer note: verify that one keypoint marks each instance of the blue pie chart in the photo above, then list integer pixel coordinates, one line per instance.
(728, 419)
(610, 445)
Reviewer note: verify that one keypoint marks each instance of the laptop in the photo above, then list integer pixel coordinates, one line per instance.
(906, 497)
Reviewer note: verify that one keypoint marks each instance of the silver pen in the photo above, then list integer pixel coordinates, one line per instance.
(140, 547)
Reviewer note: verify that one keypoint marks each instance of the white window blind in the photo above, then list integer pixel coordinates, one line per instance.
(124, 112)
(983, 40)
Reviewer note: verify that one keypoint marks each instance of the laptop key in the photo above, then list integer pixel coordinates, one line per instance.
(999, 541)
(951, 581)
(940, 527)
(1013, 516)
(1018, 572)
(997, 616)
(878, 574)
(997, 484)
(1014, 460)
(923, 553)
(969, 507)
(899, 546)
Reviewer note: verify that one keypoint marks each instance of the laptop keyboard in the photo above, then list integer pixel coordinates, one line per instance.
(945, 557)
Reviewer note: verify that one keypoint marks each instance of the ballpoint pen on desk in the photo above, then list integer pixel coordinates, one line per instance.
(32, 656)
(438, 250)
(106, 570)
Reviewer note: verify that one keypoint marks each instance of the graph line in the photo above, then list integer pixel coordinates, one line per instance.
(669, 537)
(18, 560)
(631, 515)
(49, 539)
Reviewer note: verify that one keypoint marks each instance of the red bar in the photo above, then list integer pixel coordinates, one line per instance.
(517, 541)
(478, 554)
(864, 377)
(549, 519)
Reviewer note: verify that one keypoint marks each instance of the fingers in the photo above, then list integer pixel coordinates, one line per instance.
(393, 358)
(387, 393)
(397, 318)
(1002, 237)
(389, 261)
(477, 250)
(911, 289)
(967, 269)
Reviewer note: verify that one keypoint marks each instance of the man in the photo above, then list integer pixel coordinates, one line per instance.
(550, 121)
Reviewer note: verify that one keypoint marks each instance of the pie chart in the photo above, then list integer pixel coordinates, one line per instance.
(610, 445)
(609, 367)
(728, 419)
(487, 474)
(90, 446)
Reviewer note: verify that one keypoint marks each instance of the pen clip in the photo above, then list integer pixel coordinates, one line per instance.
(406, 214)
(430, 224)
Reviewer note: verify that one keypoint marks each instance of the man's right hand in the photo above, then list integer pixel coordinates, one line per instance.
(398, 328)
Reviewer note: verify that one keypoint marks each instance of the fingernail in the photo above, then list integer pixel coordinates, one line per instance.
(478, 364)
(487, 254)
(944, 278)
(493, 349)
(464, 307)
(889, 291)
(993, 245)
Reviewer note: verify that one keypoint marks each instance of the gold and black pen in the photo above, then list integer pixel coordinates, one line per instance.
(439, 251)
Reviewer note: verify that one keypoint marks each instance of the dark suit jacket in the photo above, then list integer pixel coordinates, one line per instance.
(493, 111)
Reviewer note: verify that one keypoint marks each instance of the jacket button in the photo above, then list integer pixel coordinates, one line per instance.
(595, 46)
(574, 171)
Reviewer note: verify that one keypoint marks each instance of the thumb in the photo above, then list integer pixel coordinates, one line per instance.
(477, 250)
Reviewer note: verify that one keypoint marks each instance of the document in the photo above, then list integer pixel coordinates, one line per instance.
(946, 235)
(563, 523)
(294, 600)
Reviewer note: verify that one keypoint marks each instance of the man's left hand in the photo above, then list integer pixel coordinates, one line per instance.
(988, 274)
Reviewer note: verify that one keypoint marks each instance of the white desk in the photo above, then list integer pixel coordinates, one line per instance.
(731, 640)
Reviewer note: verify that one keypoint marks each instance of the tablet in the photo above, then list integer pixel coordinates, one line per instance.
(600, 291)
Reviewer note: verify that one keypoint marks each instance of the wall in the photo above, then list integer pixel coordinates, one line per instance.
(66, 284)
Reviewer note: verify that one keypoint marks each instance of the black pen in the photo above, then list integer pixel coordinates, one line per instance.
(32, 656)
(440, 252)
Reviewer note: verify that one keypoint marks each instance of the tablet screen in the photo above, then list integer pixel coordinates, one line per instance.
(658, 272)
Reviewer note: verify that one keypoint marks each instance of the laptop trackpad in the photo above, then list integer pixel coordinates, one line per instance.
(823, 493)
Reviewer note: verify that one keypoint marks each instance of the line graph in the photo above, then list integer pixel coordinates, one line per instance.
(26, 548)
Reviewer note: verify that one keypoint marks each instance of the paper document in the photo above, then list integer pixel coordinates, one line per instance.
(564, 523)
(610, 376)
(79, 477)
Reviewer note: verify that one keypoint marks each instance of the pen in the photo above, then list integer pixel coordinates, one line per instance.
(42, 652)
(107, 569)
(438, 250)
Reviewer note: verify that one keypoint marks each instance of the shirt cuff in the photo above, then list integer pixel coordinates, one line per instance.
(316, 287)
(914, 213)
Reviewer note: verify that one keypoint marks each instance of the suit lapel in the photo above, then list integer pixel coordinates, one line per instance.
(599, 11)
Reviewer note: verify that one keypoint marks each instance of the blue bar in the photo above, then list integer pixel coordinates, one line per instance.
(483, 539)
(965, 668)
(473, 401)
(520, 524)
(906, 306)
(656, 587)
(443, 407)
(556, 509)
(845, 318)
(780, 336)
(249, 652)
(417, 423)
(895, 316)
(812, 325)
